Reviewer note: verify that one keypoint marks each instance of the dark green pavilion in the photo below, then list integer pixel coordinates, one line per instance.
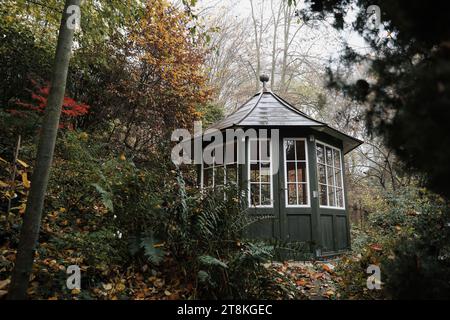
(307, 195)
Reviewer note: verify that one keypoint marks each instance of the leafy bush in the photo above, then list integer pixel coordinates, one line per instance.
(410, 241)
(204, 235)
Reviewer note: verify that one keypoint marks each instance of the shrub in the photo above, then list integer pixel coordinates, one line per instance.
(409, 239)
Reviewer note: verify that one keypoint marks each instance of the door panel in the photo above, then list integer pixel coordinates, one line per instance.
(295, 208)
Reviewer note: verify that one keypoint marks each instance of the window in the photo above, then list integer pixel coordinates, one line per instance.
(260, 173)
(217, 175)
(296, 172)
(329, 172)
(231, 163)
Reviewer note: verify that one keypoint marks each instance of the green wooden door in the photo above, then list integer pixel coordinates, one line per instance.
(295, 201)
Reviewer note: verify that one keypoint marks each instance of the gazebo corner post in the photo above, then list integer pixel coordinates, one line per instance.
(314, 196)
(347, 211)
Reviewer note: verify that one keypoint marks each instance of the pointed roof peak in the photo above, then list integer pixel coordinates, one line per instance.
(267, 109)
(264, 78)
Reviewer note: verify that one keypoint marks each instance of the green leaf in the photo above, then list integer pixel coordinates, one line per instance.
(134, 245)
(203, 276)
(151, 250)
(211, 261)
(106, 197)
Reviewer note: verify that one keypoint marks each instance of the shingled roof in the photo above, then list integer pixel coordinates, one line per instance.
(268, 109)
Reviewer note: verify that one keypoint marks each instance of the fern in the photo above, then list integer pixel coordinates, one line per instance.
(106, 197)
(211, 261)
(152, 251)
(149, 244)
(204, 277)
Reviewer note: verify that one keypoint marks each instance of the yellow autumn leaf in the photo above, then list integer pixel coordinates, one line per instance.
(75, 291)
(22, 163)
(22, 208)
(120, 287)
(84, 136)
(3, 184)
(25, 181)
(107, 286)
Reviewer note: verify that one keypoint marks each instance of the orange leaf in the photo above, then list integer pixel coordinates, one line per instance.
(300, 282)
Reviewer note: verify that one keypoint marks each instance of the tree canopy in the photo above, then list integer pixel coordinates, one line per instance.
(408, 78)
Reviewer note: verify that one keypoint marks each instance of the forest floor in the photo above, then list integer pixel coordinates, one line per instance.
(313, 280)
(307, 280)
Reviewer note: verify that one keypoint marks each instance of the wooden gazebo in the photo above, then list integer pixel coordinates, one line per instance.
(306, 196)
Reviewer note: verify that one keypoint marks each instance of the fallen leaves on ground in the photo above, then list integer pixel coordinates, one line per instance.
(313, 280)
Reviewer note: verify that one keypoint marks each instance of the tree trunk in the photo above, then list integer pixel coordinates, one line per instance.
(33, 213)
(286, 42)
(274, 42)
(258, 38)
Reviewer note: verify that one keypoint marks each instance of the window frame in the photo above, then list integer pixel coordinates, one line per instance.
(306, 161)
(249, 183)
(224, 166)
(334, 176)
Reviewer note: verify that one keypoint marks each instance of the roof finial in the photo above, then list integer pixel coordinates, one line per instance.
(264, 78)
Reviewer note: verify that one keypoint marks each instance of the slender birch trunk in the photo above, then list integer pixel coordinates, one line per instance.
(33, 213)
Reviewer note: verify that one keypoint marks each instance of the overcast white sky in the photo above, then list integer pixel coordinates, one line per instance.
(328, 42)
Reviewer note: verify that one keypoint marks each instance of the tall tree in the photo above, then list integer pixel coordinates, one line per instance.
(258, 40)
(407, 87)
(33, 214)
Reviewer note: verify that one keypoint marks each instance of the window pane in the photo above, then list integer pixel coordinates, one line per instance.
(331, 199)
(231, 173)
(300, 150)
(302, 193)
(320, 153)
(219, 177)
(330, 176)
(265, 194)
(323, 194)
(339, 198)
(254, 194)
(292, 194)
(321, 169)
(254, 172)
(337, 159)
(265, 149)
(301, 172)
(254, 150)
(290, 168)
(338, 178)
(290, 150)
(231, 153)
(329, 156)
(265, 172)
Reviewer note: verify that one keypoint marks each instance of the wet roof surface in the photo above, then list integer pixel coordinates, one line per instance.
(268, 109)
